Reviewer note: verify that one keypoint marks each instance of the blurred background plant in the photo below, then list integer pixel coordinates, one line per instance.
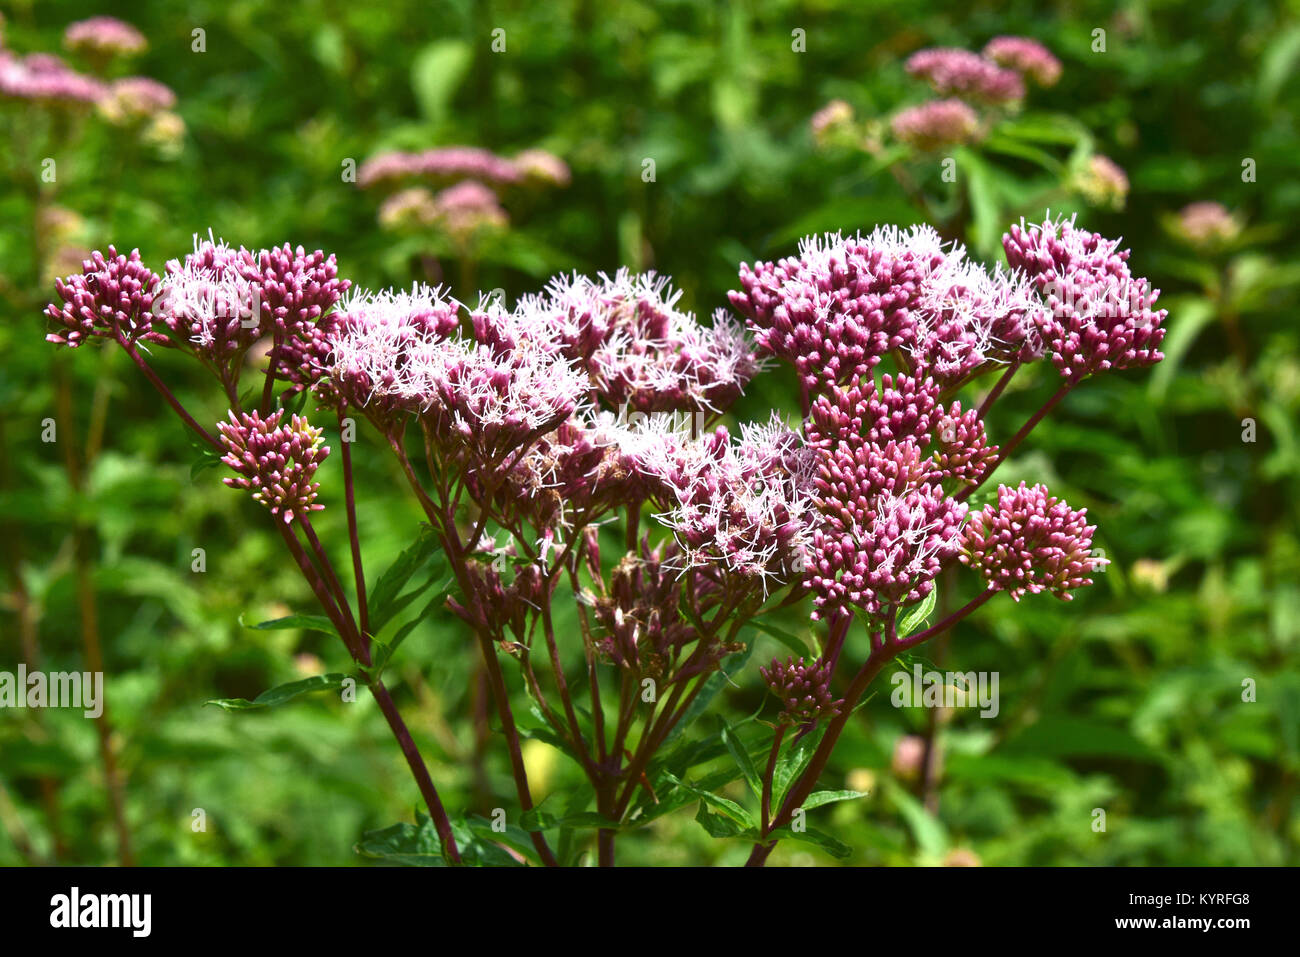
(686, 134)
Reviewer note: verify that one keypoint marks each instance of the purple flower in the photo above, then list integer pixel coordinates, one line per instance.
(359, 354)
(961, 73)
(104, 36)
(842, 304)
(276, 462)
(113, 298)
(1030, 542)
(134, 98)
(1207, 224)
(467, 209)
(803, 688)
(967, 318)
(639, 349)
(1025, 56)
(44, 77)
(936, 124)
(890, 557)
(743, 507)
(212, 299)
(445, 163)
(1101, 316)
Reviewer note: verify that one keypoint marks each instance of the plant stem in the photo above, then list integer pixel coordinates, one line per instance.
(1016, 439)
(349, 498)
(166, 393)
(418, 769)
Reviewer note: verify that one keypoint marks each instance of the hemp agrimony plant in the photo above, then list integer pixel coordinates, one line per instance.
(569, 450)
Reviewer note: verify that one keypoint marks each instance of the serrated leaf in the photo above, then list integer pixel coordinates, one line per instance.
(383, 598)
(283, 693)
(791, 764)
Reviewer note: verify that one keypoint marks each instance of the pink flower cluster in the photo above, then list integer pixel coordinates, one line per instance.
(1030, 542)
(277, 463)
(44, 77)
(803, 689)
(469, 206)
(639, 349)
(951, 71)
(112, 297)
(1025, 56)
(1100, 314)
(994, 79)
(104, 36)
(935, 124)
(220, 300)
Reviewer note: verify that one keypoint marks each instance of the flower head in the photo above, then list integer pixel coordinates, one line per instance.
(113, 298)
(1025, 56)
(1208, 224)
(1102, 182)
(842, 304)
(44, 77)
(961, 73)
(1101, 316)
(936, 124)
(1030, 542)
(104, 36)
(212, 299)
(803, 688)
(136, 98)
(542, 168)
(276, 462)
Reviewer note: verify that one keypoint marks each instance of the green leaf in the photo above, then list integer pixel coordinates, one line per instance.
(818, 798)
(836, 849)
(305, 622)
(383, 598)
(283, 693)
(724, 805)
(787, 638)
(791, 764)
(927, 830)
(436, 72)
(719, 825)
(746, 764)
(916, 616)
(404, 843)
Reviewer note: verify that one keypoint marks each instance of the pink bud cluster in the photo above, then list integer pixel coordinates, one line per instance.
(936, 124)
(44, 77)
(113, 298)
(446, 163)
(952, 71)
(1100, 314)
(1025, 56)
(643, 631)
(803, 689)
(275, 462)
(1030, 542)
(104, 36)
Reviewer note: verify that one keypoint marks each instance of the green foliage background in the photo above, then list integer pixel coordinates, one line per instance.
(1128, 699)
